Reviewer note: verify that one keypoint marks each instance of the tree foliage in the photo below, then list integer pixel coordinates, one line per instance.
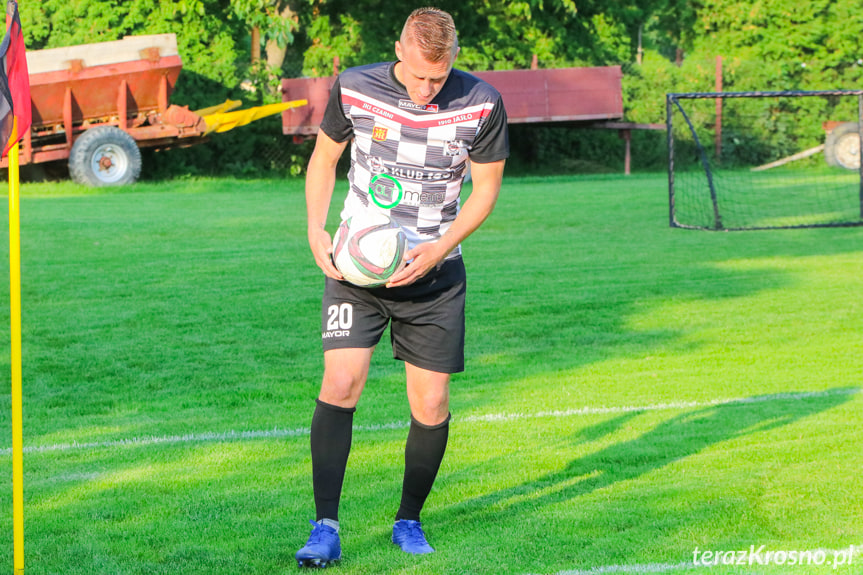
(206, 39)
(765, 44)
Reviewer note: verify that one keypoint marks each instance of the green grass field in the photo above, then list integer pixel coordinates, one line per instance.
(635, 395)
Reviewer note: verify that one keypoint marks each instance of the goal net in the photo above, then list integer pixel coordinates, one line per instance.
(757, 160)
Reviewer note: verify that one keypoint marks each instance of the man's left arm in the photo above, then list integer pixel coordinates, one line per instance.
(487, 180)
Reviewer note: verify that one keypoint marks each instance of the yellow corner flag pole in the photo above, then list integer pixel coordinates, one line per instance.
(17, 410)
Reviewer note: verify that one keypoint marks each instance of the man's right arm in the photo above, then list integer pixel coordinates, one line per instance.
(320, 182)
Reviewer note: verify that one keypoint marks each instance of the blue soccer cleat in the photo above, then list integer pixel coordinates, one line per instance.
(408, 535)
(323, 547)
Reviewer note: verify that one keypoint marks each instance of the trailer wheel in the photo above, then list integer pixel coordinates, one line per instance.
(105, 156)
(842, 147)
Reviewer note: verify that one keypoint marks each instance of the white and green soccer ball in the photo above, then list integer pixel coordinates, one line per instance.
(369, 248)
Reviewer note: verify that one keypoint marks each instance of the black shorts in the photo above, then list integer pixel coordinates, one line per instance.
(426, 318)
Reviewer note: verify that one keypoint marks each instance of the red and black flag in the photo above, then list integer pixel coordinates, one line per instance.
(14, 80)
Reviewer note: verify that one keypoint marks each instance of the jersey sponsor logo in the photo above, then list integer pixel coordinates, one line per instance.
(379, 134)
(363, 105)
(388, 198)
(408, 198)
(420, 175)
(377, 110)
(386, 191)
(410, 105)
(425, 199)
(459, 119)
(378, 166)
(336, 333)
(453, 147)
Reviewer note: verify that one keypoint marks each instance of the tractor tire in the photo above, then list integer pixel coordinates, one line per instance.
(105, 156)
(842, 147)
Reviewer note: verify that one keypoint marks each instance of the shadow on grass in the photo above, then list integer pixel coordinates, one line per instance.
(518, 338)
(674, 439)
(561, 275)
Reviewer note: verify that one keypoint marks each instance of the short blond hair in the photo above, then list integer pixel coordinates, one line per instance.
(433, 31)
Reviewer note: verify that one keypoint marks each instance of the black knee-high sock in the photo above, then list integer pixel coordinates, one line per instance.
(331, 444)
(424, 452)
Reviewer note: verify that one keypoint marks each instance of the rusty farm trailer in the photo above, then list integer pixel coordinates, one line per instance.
(95, 105)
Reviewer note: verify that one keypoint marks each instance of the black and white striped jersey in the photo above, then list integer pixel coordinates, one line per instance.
(411, 159)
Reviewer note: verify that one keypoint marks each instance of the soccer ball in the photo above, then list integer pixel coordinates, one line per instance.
(368, 248)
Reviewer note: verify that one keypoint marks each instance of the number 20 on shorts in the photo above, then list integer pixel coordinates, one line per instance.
(340, 316)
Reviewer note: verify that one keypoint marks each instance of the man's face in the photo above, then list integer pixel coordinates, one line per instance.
(423, 79)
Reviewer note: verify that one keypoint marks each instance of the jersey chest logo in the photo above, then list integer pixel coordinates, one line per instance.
(453, 148)
(409, 105)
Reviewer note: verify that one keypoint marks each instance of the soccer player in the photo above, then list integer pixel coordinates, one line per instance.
(413, 125)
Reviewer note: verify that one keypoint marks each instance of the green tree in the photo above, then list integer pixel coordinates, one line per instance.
(765, 44)
(275, 22)
(670, 28)
(783, 44)
(493, 34)
(206, 39)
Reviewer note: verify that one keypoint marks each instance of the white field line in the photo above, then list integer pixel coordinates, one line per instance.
(857, 551)
(637, 568)
(276, 433)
